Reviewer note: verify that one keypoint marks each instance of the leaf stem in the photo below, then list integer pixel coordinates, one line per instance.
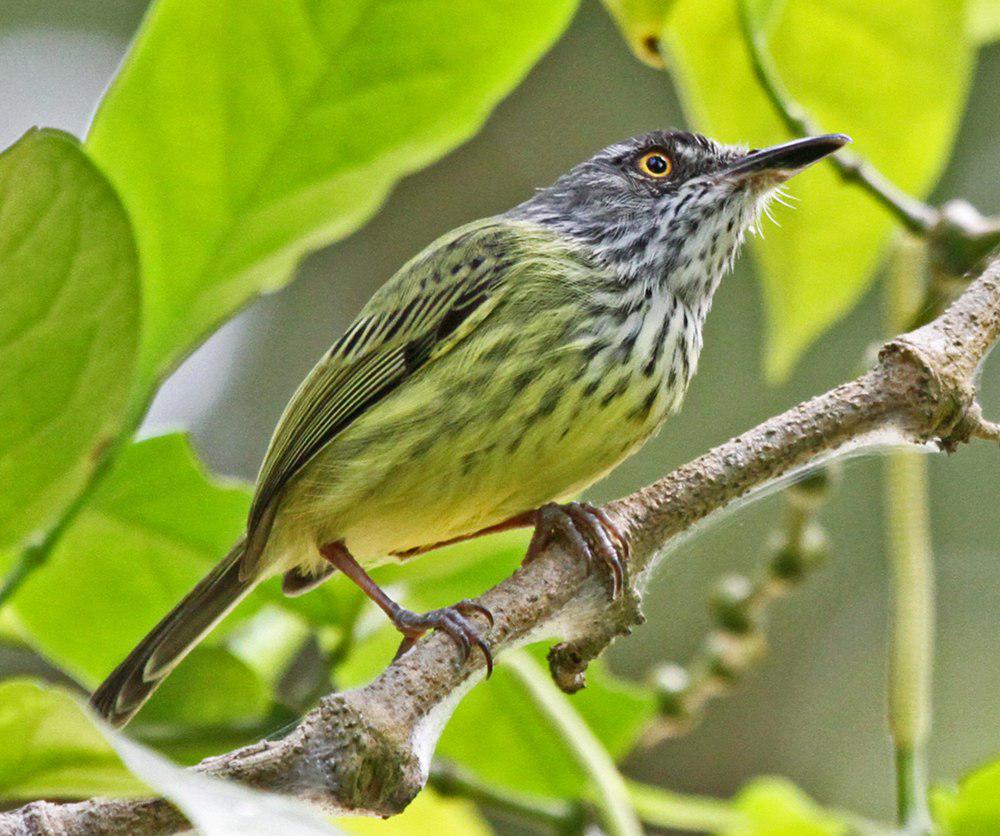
(916, 216)
(675, 811)
(35, 555)
(554, 814)
(910, 555)
(612, 800)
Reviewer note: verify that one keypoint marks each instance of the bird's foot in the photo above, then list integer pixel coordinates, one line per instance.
(590, 532)
(453, 620)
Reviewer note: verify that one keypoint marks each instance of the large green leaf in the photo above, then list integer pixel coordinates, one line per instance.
(974, 808)
(501, 716)
(212, 688)
(241, 135)
(153, 528)
(892, 74)
(52, 750)
(429, 814)
(776, 807)
(984, 20)
(69, 306)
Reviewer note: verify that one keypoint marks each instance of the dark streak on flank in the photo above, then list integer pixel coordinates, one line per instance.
(641, 412)
(617, 391)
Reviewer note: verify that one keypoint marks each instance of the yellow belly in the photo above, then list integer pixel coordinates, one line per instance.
(462, 449)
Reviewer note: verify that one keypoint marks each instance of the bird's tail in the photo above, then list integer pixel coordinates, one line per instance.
(129, 685)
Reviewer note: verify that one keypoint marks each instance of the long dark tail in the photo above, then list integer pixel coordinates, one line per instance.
(129, 685)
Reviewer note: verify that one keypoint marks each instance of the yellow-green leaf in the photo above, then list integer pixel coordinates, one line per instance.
(242, 135)
(984, 21)
(69, 319)
(974, 809)
(429, 814)
(776, 807)
(152, 529)
(892, 74)
(52, 750)
(641, 22)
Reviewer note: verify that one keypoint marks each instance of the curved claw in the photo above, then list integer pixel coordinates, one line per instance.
(471, 607)
(450, 620)
(455, 628)
(487, 654)
(612, 527)
(590, 532)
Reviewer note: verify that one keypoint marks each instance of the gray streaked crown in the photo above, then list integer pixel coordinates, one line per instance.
(680, 231)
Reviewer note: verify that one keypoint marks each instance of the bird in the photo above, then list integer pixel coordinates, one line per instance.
(500, 372)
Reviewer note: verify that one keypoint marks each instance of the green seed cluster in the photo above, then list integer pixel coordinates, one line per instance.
(738, 607)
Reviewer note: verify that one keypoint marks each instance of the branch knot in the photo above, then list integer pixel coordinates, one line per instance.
(937, 400)
(568, 660)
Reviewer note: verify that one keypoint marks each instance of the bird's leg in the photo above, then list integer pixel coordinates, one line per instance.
(452, 620)
(589, 531)
(524, 520)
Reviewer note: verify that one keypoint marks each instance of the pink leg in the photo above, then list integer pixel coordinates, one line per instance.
(452, 620)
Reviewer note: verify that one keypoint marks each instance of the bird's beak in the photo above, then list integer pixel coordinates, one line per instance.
(779, 162)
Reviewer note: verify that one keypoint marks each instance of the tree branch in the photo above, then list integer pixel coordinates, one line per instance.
(369, 750)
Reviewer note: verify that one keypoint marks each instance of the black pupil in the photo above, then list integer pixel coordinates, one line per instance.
(656, 164)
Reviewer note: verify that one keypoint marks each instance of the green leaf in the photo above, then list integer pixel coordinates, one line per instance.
(429, 814)
(153, 528)
(776, 807)
(984, 21)
(974, 809)
(893, 75)
(242, 135)
(269, 642)
(641, 22)
(212, 688)
(501, 716)
(52, 750)
(69, 305)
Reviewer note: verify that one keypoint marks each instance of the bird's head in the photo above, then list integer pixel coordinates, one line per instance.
(671, 206)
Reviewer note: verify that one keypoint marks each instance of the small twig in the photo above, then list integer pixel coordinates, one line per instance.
(988, 431)
(979, 427)
(611, 796)
(916, 216)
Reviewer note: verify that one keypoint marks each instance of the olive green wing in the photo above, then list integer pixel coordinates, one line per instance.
(420, 314)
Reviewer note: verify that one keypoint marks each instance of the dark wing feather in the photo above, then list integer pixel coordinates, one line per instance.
(416, 316)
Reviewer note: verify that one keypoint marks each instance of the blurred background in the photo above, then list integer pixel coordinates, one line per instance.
(814, 708)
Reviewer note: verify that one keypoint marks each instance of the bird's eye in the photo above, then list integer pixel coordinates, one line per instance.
(655, 164)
